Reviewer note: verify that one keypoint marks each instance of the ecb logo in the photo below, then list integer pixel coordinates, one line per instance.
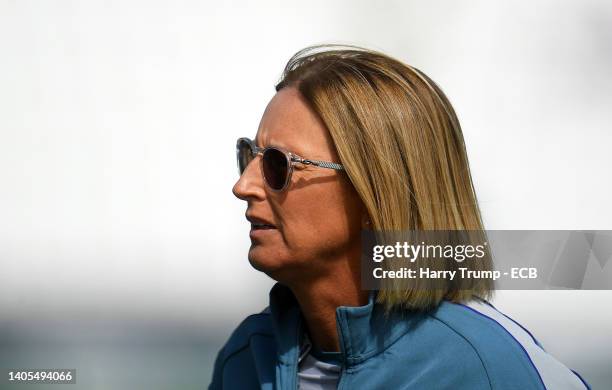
(524, 273)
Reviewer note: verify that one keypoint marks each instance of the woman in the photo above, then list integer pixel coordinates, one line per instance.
(354, 140)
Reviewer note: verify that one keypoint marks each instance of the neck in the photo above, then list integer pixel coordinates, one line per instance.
(318, 300)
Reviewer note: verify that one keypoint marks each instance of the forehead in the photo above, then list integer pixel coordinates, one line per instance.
(289, 123)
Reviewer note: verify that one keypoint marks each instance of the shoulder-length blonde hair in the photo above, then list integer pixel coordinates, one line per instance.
(402, 147)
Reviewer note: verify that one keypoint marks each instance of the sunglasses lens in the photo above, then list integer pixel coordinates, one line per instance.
(276, 168)
(244, 153)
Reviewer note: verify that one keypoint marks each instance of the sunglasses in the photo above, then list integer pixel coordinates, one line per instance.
(276, 163)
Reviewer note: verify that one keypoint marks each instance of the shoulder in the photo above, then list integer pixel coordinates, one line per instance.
(258, 324)
(235, 352)
(508, 352)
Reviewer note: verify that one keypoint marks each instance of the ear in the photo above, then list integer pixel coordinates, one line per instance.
(365, 222)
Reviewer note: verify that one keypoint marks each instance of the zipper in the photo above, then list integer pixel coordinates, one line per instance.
(343, 350)
(297, 359)
(340, 377)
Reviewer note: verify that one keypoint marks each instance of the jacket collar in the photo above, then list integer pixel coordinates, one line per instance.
(364, 331)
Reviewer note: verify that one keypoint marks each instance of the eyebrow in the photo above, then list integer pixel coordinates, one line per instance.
(256, 140)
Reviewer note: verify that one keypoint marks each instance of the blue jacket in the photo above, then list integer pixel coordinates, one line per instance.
(455, 346)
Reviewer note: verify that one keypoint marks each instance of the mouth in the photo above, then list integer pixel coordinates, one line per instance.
(258, 223)
(261, 226)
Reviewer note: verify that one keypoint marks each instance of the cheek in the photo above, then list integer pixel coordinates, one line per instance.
(323, 223)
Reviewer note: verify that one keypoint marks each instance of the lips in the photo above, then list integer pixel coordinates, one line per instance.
(258, 223)
(256, 226)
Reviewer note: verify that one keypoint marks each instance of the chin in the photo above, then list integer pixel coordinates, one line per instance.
(279, 268)
(263, 260)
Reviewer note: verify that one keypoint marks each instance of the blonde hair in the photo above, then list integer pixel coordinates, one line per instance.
(402, 147)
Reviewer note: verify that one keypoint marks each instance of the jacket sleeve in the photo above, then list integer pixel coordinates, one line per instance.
(217, 376)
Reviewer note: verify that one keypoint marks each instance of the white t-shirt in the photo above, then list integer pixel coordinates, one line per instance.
(317, 370)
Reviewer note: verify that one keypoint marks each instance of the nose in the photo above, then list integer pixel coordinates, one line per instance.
(250, 183)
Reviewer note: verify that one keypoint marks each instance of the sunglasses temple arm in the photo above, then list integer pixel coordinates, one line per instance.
(323, 164)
